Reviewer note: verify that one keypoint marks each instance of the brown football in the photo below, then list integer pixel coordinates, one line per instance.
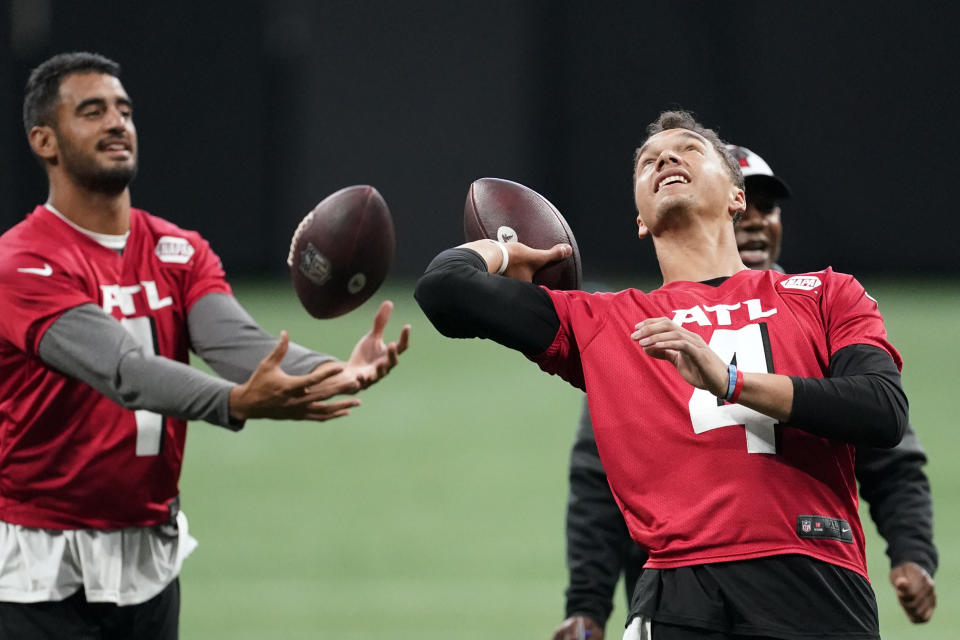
(510, 212)
(341, 251)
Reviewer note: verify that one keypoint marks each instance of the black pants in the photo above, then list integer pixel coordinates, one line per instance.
(77, 619)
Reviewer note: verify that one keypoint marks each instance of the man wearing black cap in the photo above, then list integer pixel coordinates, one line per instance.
(892, 481)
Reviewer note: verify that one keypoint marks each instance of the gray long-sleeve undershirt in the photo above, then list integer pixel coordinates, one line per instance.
(87, 344)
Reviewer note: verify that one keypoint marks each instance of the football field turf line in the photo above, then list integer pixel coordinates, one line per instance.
(436, 509)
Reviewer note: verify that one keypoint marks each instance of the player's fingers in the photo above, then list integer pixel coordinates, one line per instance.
(924, 611)
(275, 356)
(558, 252)
(300, 386)
(393, 355)
(404, 340)
(659, 337)
(328, 390)
(383, 368)
(670, 355)
(316, 409)
(654, 324)
(564, 631)
(323, 417)
(383, 315)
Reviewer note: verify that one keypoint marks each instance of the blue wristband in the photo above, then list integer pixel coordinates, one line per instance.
(732, 371)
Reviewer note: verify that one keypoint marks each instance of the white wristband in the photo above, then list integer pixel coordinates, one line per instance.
(506, 258)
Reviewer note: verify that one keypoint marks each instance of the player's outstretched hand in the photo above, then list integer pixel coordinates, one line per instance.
(915, 591)
(523, 261)
(271, 393)
(578, 628)
(685, 350)
(372, 358)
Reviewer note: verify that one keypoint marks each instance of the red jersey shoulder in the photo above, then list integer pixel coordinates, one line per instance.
(170, 244)
(808, 284)
(569, 303)
(37, 245)
(827, 285)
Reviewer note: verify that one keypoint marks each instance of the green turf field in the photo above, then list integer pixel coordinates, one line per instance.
(436, 509)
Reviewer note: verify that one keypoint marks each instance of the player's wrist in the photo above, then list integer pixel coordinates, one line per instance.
(236, 407)
(732, 386)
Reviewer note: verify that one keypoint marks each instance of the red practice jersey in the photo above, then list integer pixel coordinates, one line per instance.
(700, 480)
(69, 456)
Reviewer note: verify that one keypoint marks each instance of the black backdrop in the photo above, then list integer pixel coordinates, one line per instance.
(249, 112)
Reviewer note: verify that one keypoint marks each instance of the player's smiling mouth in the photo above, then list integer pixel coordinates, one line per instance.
(114, 146)
(671, 177)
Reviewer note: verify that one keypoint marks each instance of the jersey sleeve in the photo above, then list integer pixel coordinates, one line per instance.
(852, 317)
(34, 292)
(207, 275)
(562, 357)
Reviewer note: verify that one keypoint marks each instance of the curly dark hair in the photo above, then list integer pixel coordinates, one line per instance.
(43, 87)
(681, 119)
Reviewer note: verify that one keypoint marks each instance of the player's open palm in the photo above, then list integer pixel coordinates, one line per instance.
(372, 358)
(694, 360)
(271, 393)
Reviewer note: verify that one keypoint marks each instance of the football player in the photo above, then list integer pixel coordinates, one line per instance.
(102, 304)
(726, 404)
(599, 548)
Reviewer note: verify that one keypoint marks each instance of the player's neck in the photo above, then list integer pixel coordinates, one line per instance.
(93, 211)
(696, 255)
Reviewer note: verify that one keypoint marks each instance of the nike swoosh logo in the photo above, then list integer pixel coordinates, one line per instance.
(46, 270)
(844, 530)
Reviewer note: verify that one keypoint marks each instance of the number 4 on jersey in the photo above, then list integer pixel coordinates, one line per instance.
(749, 349)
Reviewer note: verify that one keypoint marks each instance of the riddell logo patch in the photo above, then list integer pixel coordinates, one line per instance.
(803, 283)
(174, 250)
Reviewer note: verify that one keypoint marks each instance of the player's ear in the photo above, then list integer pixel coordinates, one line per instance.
(43, 142)
(642, 230)
(738, 201)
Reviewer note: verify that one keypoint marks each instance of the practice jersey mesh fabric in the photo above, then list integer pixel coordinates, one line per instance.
(699, 480)
(69, 456)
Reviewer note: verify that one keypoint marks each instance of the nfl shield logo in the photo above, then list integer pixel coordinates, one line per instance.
(805, 526)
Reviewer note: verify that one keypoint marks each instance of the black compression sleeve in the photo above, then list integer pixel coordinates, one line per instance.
(862, 402)
(462, 300)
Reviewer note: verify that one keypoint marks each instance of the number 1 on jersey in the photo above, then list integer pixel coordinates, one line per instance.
(748, 348)
(149, 424)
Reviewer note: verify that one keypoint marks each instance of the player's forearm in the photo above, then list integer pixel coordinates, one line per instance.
(862, 401)
(768, 393)
(88, 345)
(463, 300)
(864, 405)
(224, 335)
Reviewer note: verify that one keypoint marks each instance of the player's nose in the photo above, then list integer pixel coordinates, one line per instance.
(667, 156)
(116, 121)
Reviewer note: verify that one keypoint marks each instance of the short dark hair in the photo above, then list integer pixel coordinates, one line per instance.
(43, 87)
(681, 119)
